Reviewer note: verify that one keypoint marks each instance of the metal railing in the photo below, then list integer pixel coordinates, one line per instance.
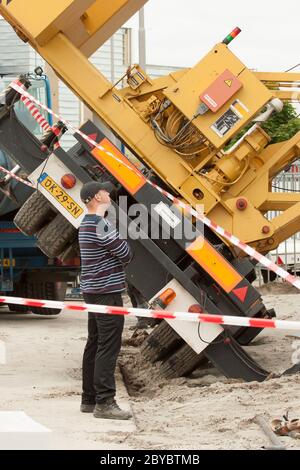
(288, 253)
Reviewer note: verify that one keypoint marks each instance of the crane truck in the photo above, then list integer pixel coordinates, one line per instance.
(182, 128)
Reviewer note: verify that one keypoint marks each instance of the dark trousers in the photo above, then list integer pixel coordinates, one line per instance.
(101, 350)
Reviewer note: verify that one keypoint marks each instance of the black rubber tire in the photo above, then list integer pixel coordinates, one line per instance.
(56, 236)
(161, 342)
(47, 291)
(71, 252)
(34, 214)
(181, 363)
(19, 291)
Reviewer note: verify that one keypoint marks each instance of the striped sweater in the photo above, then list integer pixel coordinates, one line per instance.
(103, 256)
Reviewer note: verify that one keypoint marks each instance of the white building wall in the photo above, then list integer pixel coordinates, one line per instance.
(14, 53)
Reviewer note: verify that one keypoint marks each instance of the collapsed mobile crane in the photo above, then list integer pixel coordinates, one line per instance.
(180, 128)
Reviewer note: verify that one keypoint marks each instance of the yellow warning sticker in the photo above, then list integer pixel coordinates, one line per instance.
(228, 82)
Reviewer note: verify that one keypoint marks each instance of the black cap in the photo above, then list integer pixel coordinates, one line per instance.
(90, 189)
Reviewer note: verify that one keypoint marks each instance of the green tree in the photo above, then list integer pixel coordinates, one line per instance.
(280, 126)
(284, 125)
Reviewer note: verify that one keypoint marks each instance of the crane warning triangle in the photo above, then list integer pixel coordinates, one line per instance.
(228, 82)
(241, 293)
(93, 137)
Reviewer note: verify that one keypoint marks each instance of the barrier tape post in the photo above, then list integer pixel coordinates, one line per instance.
(160, 314)
(270, 265)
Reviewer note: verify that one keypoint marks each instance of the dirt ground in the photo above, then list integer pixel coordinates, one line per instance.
(41, 377)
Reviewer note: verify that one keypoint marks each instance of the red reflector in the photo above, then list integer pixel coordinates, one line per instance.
(68, 181)
(195, 308)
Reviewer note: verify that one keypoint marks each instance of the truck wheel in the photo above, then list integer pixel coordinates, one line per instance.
(71, 252)
(54, 238)
(47, 291)
(181, 363)
(19, 291)
(160, 342)
(34, 214)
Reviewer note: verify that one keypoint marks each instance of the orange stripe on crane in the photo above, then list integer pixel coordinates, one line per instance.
(214, 264)
(131, 179)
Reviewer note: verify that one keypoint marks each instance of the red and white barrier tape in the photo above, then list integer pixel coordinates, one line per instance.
(36, 114)
(16, 177)
(40, 119)
(161, 314)
(215, 227)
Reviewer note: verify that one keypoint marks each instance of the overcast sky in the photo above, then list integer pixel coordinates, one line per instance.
(180, 32)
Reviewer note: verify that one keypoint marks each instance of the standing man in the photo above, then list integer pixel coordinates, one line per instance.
(103, 256)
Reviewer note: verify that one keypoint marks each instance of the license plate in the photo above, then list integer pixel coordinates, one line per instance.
(60, 195)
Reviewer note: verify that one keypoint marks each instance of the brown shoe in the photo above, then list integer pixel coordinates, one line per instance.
(110, 410)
